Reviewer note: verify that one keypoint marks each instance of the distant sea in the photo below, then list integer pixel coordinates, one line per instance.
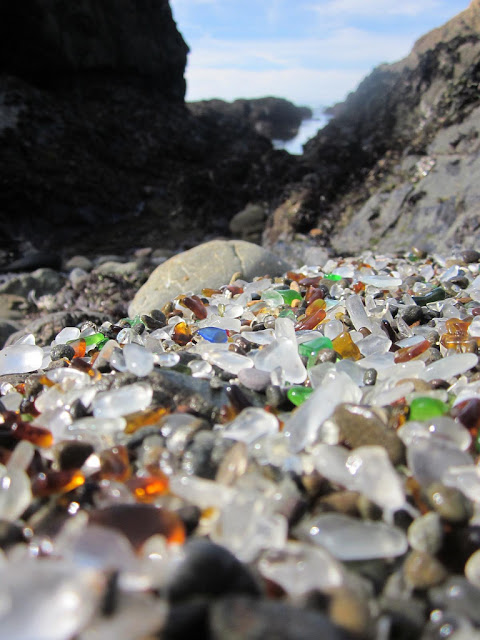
(307, 130)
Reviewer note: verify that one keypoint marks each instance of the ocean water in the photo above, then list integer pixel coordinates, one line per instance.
(307, 130)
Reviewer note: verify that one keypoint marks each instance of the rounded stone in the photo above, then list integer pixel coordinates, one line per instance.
(326, 355)
(359, 425)
(370, 377)
(210, 264)
(209, 570)
(470, 255)
(426, 533)
(350, 611)
(449, 503)
(412, 314)
(60, 351)
(422, 570)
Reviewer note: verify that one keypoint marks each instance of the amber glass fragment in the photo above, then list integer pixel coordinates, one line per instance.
(311, 321)
(314, 306)
(36, 435)
(408, 353)
(46, 381)
(86, 367)
(234, 290)
(182, 334)
(310, 281)
(468, 412)
(147, 488)
(141, 419)
(52, 482)
(460, 342)
(346, 347)
(358, 287)
(115, 464)
(138, 522)
(297, 277)
(455, 325)
(314, 293)
(79, 346)
(208, 293)
(195, 304)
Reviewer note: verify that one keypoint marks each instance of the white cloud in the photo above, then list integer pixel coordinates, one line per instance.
(342, 47)
(302, 86)
(344, 9)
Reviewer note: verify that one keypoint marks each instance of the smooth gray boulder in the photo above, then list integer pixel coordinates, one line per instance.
(211, 264)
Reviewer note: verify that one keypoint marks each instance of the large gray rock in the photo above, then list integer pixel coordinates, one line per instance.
(209, 265)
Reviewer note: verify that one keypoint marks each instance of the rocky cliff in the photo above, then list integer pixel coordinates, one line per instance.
(98, 150)
(397, 165)
(55, 43)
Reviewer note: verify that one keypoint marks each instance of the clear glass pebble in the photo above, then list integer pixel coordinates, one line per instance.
(67, 334)
(246, 527)
(357, 313)
(251, 424)
(465, 478)
(441, 427)
(228, 361)
(472, 569)
(305, 424)
(348, 538)
(299, 568)
(49, 599)
(20, 358)
(138, 360)
(120, 402)
(282, 353)
(428, 459)
(450, 366)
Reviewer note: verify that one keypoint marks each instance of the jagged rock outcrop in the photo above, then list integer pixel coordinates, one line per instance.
(275, 118)
(397, 164)
(98, 150)
(53, 43)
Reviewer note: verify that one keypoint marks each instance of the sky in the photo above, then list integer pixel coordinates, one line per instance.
(312, 52)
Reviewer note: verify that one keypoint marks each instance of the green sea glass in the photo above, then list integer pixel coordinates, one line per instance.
(297, 395)
(425, 408)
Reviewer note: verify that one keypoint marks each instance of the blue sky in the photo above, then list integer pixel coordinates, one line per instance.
(310, 51)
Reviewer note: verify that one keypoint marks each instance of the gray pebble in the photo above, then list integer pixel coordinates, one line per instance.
(62, 351)
(412, 314)
(423, 571)
(449, 503)
(370, 377)
(426, 533)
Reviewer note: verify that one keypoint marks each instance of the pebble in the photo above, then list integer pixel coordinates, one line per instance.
(423, 570)
(426, 533)
(60, 351)
(449, 503)
(358, 425)
(209, 570)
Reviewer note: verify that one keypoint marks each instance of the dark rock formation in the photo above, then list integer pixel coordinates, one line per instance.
(275, 118)
(53, 43)
(98, 151)
(398, 161)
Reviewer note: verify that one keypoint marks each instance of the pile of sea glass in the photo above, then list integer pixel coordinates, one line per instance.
(313, 424)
